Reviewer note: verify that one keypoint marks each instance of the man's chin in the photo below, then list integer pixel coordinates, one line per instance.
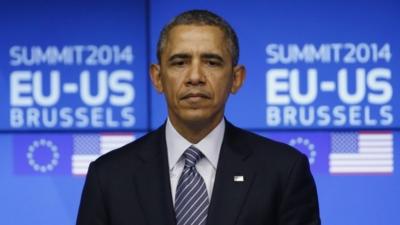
(194, 119)
(199, 119)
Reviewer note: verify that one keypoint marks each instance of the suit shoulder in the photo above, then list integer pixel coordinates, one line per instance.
(263, 145)
(129, 152)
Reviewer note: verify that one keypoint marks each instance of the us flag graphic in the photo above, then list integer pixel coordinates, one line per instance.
(361, 153)
(88, 147)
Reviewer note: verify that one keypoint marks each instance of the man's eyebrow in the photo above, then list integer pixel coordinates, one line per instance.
(179, 56)
(212, 56)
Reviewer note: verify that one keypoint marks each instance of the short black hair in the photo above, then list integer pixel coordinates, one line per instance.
(201, 17)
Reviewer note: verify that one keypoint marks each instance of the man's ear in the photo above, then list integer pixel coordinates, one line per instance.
(155, 75)
(239, 74)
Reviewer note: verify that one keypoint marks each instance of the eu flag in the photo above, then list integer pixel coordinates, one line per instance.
(42, 154)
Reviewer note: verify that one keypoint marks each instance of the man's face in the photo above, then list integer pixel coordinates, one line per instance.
(196, 74)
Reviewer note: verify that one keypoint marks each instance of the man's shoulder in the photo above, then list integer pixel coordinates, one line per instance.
(261, 145)
(132, 152)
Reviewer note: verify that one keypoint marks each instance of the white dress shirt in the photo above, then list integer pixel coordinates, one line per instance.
(210, 146)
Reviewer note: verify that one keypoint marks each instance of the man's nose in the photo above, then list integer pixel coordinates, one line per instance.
(195, 75)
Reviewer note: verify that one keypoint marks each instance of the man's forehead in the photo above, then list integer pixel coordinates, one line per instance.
(188, 38)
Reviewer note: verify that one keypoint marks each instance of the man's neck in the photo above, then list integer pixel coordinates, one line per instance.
(194, 132)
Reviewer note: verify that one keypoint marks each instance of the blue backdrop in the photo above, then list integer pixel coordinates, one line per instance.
(321, 76)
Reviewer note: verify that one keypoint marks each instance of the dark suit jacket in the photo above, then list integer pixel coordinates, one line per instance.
(131, 185)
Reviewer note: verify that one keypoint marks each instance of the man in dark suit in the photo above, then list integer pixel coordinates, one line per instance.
(198, 168)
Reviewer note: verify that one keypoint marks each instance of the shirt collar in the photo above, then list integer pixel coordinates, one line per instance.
(210, 145)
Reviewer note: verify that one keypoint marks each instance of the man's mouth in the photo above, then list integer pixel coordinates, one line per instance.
(195, 96)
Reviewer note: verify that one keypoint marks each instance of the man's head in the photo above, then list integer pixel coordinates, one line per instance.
(197, 68)
(201, 17)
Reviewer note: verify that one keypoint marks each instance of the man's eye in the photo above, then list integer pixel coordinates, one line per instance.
(213, 63)
(178, 63)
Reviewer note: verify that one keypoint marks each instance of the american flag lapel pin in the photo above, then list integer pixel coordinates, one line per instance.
(238, 178)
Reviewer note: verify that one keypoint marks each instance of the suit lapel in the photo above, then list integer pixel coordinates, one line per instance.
(153, 183)
(229, 195)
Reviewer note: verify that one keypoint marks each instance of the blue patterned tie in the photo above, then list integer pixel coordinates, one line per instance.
(191, 200)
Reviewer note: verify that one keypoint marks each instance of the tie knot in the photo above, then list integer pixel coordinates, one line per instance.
(192, 156)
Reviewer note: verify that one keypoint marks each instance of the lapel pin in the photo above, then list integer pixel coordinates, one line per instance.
(238, 178)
